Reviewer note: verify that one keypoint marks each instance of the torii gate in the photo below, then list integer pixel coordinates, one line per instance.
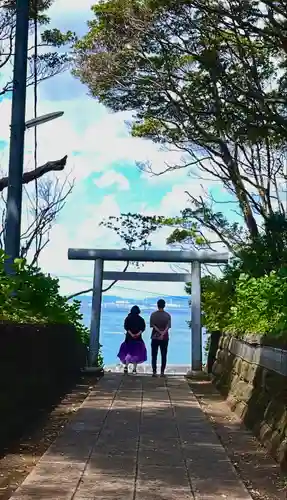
(191, 257)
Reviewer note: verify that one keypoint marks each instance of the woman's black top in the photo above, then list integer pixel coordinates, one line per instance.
(135, 324)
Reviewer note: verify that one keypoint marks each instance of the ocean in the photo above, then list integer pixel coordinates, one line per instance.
(112, 332)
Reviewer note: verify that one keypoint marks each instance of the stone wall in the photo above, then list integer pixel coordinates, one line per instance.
(253, 378)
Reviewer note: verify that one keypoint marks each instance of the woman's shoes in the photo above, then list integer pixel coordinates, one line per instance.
(126, 370)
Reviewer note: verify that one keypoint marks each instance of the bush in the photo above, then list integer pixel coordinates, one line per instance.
(247, 305)
(251, 295)
(260, 305)
(30, 296)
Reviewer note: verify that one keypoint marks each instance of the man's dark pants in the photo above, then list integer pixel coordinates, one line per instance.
(163, 345)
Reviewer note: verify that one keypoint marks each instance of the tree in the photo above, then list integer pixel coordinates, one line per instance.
(134, 231)
(197, 78)
(42, 207)
(255, 257)
(45, 207)
(185, 232)
(50, 62)
(269, 19)
(45, 61)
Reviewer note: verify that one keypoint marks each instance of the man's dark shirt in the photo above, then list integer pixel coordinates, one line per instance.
(162, 320)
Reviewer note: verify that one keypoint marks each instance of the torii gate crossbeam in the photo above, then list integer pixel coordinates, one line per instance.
(195, 258)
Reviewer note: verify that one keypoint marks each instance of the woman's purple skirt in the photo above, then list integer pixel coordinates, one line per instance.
(133, 352)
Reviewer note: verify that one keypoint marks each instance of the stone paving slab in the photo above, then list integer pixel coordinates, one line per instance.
(136, 438)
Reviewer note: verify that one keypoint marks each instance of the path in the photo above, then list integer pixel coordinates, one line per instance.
(136, 438)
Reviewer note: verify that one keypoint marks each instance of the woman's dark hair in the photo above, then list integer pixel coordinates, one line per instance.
(135, 310)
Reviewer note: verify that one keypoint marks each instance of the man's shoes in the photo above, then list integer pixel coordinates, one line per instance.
(134, 370)
(162, 374)
(154, 374)
(125, 370)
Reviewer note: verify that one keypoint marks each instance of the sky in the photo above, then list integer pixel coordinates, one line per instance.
(102, 159)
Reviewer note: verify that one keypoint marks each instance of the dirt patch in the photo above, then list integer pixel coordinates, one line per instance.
(258, 471)
(21, 456)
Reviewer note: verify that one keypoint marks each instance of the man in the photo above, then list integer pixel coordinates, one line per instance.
(160, 322)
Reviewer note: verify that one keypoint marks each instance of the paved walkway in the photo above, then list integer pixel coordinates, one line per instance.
(136, 438)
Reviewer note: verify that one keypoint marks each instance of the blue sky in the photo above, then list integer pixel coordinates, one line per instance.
(102, 159)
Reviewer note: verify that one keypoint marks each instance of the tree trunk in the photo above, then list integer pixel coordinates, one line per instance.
(240, 191)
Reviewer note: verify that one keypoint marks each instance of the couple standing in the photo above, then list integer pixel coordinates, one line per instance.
(133, 349)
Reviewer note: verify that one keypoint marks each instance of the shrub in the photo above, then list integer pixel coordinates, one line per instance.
(251, 294)
(30, 296)
(247, 304)
(260, 305)
(100, 361)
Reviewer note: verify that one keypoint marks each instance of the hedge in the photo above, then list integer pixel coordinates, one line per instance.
(38, 364)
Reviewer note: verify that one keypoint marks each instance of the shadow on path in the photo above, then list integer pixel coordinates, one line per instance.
(136, 438)
(252, 461)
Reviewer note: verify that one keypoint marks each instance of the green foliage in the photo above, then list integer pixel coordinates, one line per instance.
(217, 299)
(133, 229)
(30, 296)
(186, 74)
(251, 305)
(37, 8)
(260, 305)
(50, 62)
(100, 357)
(56, 38)
(100, 361)
(251, 296)
(268, 251)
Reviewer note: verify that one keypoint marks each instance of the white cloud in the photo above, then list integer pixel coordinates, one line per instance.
(91, 234)
(92, 137)
(54, 258)
(65, 7)
(177, 198)
(111, 178)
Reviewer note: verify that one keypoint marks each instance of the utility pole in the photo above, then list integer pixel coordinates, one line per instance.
(17, 137)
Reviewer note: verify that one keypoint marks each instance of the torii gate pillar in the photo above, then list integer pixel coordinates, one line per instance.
(96, 312)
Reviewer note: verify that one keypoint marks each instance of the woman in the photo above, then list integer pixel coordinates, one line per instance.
(133, 349)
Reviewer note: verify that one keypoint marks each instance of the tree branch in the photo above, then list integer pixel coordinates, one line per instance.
(115, 281)
(91, 289)
(50, 166)
(79, 293)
